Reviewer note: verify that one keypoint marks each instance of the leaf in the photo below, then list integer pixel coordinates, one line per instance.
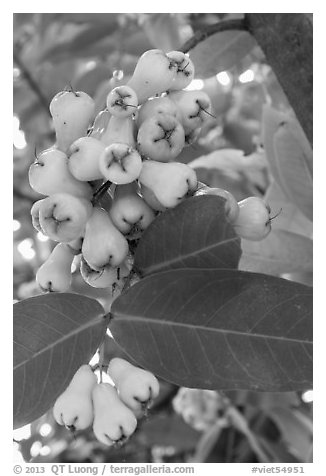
(162, 29)
(290, 158)
(271, 122)
(195, 234)
(168, 430)
(296, 430)
(290, 218)
(280, 252)
(54, 335)
(79, 44)
(218, 329)
(264, 400)
(220, 52)
(294, 160)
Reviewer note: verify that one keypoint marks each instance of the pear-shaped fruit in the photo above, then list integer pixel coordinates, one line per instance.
(150, 198)
(161, 137)
(122, 101)
(35, 214)
(76, 245)
(50, 174)
(83, 156)
(170, 182)
(100, 124)
(130, 213)
(192, 136)
(72, 112)
(55, 273)
(185, 70)
(120, 129)
(254, 221)
(74, 407)
(103, 243)
(136, 387)
(107, 277)
(113, 422)
(153, 75)
(193, 108)
(63, 217)
(160, 105)
(120, 163)
(231, 205)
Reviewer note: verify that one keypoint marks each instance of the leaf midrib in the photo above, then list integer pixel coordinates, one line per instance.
(146, 320)
(167, 263)
(85, 326)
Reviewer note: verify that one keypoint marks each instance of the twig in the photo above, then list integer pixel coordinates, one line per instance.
(201, 35)
(32, 83)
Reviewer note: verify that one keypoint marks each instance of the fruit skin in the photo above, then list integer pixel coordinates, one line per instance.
(254, 221)
(170, 182)
(83, 155)
(113, 421)
(35, 214)
(63, 217)
(100, 124)
(120, 163)
(106, 277)
(185, 70)
(121, 130)
(136, 387)
(72, 113)
(55, 273)
(103, 243)
(151, 199)
(50, 174)
(122, 101)
(76, 245)
(231, 205)
(130, 213)
(161, 137)
(74, 407)
(153, 75)
(192, 107)
(160, 105)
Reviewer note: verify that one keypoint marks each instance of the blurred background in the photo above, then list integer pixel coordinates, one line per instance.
(54, 51)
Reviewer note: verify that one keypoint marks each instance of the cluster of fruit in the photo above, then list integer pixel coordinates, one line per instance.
(131, 150)
(200, 408)
(111, 410)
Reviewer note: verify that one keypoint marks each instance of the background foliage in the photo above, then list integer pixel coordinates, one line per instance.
(243, 149)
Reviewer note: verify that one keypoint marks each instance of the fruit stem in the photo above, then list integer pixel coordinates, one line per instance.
(275, 216)
(201, 35)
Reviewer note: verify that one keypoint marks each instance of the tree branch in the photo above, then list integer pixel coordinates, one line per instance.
(201, 35)
(31, 82)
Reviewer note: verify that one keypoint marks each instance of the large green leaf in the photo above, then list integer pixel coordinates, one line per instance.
(271, 122)
(220, 52)
(280, 252)
(296, 429)
(290, 217)
(53, 335)
(218, 329)
(165, 430)
(195, 234)
(294, 159)
(290, 158)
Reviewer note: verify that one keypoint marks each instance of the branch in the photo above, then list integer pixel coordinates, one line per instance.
(31, 82)
(201, 35)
